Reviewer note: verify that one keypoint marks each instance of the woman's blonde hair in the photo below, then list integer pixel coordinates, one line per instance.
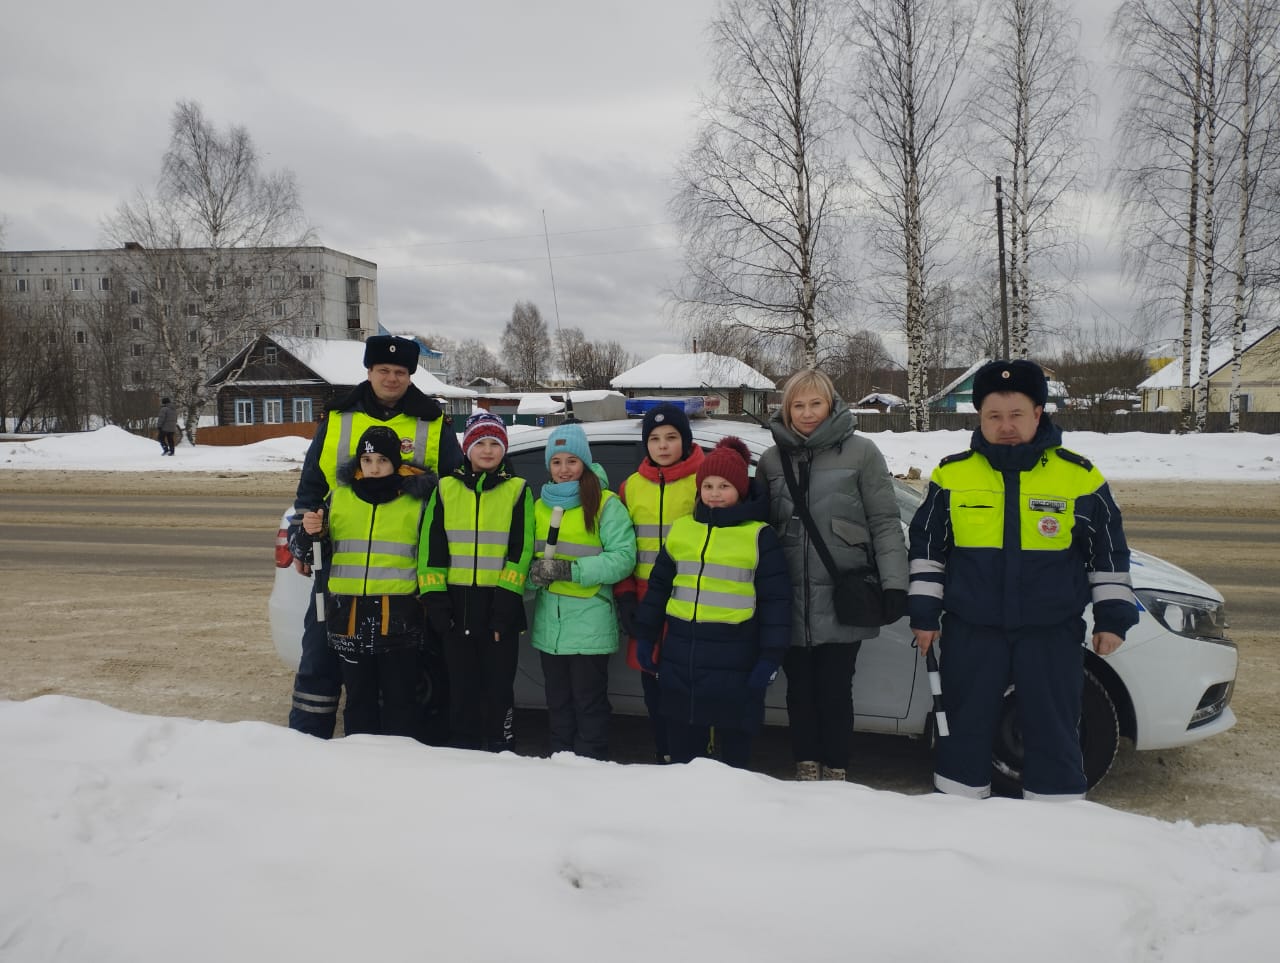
(810, 379)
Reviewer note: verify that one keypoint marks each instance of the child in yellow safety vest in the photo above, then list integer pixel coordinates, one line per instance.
(373, 618)
(476, 547)
(661, 490)
(719, 598)
(575, 626)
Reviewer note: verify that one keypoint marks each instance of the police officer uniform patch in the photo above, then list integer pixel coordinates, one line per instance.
(1048, 526)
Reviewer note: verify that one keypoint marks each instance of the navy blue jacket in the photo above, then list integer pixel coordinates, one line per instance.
(1011, 588)
(704, 666)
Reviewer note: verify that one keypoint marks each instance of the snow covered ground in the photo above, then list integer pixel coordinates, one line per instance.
(140, 839)
(1241, 457)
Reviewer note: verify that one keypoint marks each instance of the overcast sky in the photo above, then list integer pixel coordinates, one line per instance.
(428, 137)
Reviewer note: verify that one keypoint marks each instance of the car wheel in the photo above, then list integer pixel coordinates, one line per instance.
(433, 697)
(1099, 738)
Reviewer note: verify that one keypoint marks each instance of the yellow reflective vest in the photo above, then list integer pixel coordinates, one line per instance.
(715, 571)
(477, 526)
(419, 440)
(375, 547)
(573, 543)
(653, 507)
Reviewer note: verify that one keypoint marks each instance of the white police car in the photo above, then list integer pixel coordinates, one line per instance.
(1169, 685)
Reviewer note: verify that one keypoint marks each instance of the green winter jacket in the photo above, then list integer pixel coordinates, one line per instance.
(564, 625)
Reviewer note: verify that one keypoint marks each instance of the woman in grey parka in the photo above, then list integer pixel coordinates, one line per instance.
(845, 483)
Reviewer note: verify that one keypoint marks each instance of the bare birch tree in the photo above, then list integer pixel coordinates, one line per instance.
(1168, 54)
(909, 58)
(1255, 34)
(1031, 101)
(209, 251)
(526, 345)
(760, 204)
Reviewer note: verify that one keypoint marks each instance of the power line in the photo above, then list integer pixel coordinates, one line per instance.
(510, 237)
(518, 260)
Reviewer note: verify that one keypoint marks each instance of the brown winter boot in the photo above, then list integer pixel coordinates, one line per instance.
(807, 772)
(834, 775)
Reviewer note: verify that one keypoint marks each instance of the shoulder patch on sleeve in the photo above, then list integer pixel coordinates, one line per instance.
(958, 456)
(1067, 454)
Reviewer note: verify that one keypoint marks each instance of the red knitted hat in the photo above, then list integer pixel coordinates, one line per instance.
(728, 459)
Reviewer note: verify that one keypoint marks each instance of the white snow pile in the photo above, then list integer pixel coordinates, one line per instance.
(131, 838)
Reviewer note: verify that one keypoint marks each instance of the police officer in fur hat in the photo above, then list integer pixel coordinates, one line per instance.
(427, 441)
(1015, 538)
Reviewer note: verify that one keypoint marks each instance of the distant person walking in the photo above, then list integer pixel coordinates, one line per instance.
(167, 426)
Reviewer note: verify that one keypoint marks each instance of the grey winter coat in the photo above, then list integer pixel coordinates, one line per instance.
(167, 420)
(852, 500)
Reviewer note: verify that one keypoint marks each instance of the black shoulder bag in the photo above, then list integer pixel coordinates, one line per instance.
(856, 594)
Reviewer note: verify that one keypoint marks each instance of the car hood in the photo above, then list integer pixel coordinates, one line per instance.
(1149, 572)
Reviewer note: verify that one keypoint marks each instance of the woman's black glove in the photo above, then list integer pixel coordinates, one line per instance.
(895, 605)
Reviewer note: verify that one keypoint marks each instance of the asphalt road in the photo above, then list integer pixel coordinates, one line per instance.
(157, 603)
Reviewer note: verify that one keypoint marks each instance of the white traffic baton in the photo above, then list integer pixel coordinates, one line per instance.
(553, 532)
(317, 563)
(935, 686)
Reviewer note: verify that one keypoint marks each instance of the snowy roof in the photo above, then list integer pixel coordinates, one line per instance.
(881, 398)
(972, 369)
(700, 370)
(1170, 376)
(342, 363)
(542, 403)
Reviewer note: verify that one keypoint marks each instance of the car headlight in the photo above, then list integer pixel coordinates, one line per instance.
(1189, 615)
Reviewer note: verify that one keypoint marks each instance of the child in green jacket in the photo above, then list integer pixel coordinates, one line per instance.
(575, 625)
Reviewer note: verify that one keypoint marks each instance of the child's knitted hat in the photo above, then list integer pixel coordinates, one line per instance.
(483, 424)
(380, 440)
(728, 459)
(668, 414)
(568, 439)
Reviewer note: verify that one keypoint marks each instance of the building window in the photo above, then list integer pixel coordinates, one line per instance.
(246, 281)
(81, 338)
(77, 284)
(105, 337)
(301, 409)
(135, 324)
(24, 312)
(277, 282)
(135, 350)
(277, 310)
(193, 336)
(271, 354)
(308, 282)
(136, 375)
(244, 411)
(135, 296)
(46, 284)
(272, 411)
(52, 337)
(191, 309)
(162, 283)
(315, 331)
(104, 284)
(22, 285)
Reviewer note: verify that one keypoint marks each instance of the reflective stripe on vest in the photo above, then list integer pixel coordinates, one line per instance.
(346, 427)
(375, 547)
(719, 591)
(574, 542)
(1046, 502)
(478, 527)
(653, 507)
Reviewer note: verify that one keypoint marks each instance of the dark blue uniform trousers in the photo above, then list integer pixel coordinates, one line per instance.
(318, 682)
(978, 663)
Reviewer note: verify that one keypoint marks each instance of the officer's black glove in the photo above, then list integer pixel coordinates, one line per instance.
(439, 613)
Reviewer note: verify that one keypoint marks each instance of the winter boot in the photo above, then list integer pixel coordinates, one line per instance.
(807, 772)
(833, 775)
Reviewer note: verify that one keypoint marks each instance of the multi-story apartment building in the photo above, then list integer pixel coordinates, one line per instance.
(120, 296)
